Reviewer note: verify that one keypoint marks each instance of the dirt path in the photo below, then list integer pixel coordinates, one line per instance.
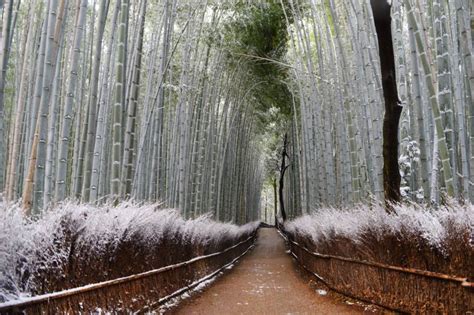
(264, 282)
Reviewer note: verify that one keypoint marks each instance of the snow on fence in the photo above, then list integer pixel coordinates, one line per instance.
(413, 259)
(135, 293)
(76, 245)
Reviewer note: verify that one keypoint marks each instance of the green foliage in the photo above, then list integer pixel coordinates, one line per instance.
(260, 30)
(327, 9)
(256, 35)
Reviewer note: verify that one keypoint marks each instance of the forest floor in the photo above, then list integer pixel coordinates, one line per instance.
(267, 281)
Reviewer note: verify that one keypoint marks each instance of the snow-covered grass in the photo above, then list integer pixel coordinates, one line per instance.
(77, 244)
(439, 239)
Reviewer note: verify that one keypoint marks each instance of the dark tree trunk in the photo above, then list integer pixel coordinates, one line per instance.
(393, 109)
(282, 177)
(275, 201)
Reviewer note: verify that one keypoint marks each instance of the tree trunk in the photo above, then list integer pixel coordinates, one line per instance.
(393, 110)
(68, 111)
(4, 54)
(275, 200)
(93, 103)
(11, 189)
(130, 129)
(119, 102)
(426, 61)
(56, 25)
(282, 177)
(98, 173)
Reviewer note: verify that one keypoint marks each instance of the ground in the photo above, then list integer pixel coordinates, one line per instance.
(266, 281)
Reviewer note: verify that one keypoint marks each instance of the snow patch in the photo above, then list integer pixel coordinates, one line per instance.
(322, 292)
(432, 225)
(173, 302)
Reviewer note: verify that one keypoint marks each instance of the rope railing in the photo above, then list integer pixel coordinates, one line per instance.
(398, 288)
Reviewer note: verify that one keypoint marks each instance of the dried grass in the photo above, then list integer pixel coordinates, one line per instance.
(439, 240)
(74, 245)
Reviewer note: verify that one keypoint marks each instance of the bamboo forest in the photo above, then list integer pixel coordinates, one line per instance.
(236, 156)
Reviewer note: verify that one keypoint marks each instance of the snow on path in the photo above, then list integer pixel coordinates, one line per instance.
(264, 282)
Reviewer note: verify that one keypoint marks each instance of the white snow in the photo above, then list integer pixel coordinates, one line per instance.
(322, 292)
(166, 307)
(431, 225)
(26, 246)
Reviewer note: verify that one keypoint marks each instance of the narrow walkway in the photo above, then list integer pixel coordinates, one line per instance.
(264, 282)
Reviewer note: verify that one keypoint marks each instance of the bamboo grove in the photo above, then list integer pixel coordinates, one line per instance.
(188, 103)
(336, 140)
(121, 99)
